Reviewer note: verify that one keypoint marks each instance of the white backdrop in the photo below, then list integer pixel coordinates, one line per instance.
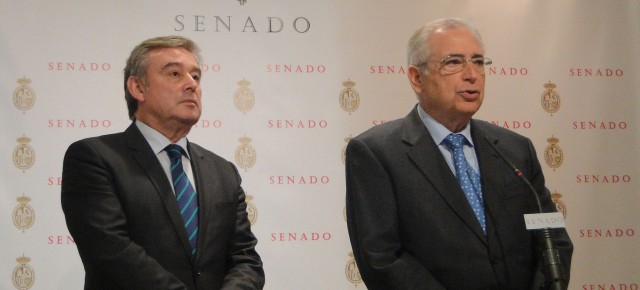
(61, 80)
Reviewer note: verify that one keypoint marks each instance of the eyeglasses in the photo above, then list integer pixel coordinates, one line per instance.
(451, 64)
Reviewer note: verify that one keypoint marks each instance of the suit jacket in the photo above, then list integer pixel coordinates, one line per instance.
(411, 226)
(122, 213)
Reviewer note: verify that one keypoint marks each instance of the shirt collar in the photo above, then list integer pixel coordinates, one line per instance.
(438, 131)
(158, 141)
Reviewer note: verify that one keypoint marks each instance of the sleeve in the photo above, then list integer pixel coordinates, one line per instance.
(373, 225)
(246, 269)
(95, 218)
(562, 241)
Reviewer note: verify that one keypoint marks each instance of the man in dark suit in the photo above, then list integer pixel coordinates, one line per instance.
(412, 223)
(131, 229)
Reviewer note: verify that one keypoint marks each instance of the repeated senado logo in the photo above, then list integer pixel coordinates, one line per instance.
(344, 213)
(23, 214)
(24, 97)
(252, 210)
(343, 158)
(351, 270)
(23, 276)
(560, 206)
(553, 155)
(550, 99)
(245, 154)
(349, 98)
(23, 155)
(244, 98)
(344, 149)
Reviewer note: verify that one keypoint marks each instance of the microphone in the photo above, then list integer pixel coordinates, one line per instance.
(550, 257)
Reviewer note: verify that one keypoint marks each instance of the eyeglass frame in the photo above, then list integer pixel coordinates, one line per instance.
(480, 69)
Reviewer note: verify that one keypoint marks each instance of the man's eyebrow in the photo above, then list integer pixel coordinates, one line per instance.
(462, 55)
(172, 64)
(179, 64)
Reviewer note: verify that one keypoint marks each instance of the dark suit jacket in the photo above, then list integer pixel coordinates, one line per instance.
(123, 215)
(411, 226)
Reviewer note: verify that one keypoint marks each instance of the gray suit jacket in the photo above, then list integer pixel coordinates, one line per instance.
(123, 215)
(411, 226)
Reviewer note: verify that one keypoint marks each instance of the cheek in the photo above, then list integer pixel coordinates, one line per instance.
(448, 94)
(433, 88)
(199, 97)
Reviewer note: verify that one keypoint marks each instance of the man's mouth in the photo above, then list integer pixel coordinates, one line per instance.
(469, 94)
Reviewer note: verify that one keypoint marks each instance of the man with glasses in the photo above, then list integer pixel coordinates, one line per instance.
(430, 204)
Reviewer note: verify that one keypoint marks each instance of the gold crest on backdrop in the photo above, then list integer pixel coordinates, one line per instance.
(344, 149)
(349, 97)
(550, 99)
(351, 270)
(245, 154)
(553, 155)
(23, 214)
(344, 213)
(244, 99)
(23, 275)
(252, 211)
(560, 206)
(23, 96)
(23, 155)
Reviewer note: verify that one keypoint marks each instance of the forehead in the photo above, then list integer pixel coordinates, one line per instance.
(454, 41)
(178, 55)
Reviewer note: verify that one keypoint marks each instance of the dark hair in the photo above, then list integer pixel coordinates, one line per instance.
(138, 62)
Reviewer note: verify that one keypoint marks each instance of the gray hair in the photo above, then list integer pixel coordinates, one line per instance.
(418, 50)
(138, 62)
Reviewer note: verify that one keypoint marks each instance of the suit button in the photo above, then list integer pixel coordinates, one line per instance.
(198, 273)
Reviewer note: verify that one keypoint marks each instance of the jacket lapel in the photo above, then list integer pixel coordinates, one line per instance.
(491, 175)
(205, 187)
(142, 153)
(426, 155)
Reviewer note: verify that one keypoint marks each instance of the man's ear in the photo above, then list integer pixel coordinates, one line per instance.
(136, 88)
(415, 78)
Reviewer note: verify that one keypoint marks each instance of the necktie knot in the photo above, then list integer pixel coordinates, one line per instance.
(174, 151)
(454, 141)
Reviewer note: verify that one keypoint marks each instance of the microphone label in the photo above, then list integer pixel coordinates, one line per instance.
(544, 220)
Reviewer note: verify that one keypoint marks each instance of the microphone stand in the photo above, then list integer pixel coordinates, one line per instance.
(550, 256)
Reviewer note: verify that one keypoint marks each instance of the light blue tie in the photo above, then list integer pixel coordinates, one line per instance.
(185, 194)
(468, 178)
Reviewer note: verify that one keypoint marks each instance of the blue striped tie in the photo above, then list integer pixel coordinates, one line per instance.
(185, 194)
(468, 178)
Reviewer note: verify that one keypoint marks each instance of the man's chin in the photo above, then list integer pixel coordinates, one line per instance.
(471, 108)
(189, 121)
